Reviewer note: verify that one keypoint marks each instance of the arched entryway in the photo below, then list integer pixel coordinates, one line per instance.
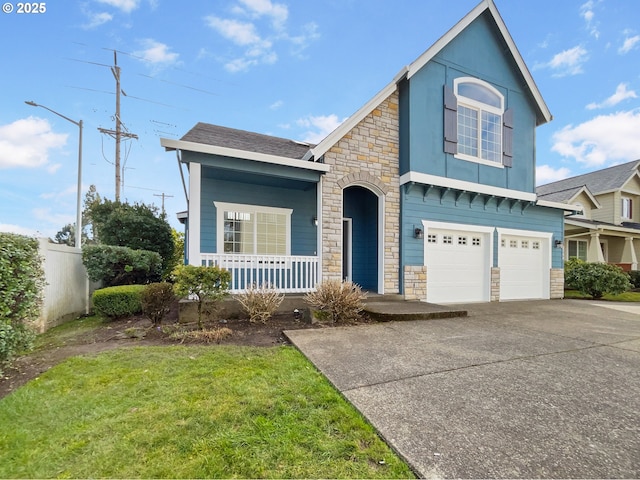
(360, 239)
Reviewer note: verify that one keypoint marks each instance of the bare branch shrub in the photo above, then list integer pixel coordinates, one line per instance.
(260, 302)
(340, 301)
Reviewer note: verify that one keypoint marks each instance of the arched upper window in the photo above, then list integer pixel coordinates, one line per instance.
(477, 126)
(480, 109)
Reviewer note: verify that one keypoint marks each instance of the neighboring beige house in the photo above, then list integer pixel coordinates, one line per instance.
(608, 229)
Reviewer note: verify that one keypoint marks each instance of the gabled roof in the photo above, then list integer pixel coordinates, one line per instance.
(568, 195)
(598, 182)
(208, 134)
(486, 6)
(408, 71)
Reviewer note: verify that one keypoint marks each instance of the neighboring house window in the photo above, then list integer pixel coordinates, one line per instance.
(578, 249)
(580, 208)
(627, 208)
(253, 229)
(477, 127)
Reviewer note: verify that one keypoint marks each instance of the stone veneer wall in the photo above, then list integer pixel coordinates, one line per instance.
(368, 156)
(415, 282)
(495, 284)
(557, 283)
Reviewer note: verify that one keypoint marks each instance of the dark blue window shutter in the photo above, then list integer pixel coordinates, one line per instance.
(507, 138)
(450, 121)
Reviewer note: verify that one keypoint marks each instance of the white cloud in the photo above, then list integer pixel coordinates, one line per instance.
(26, 143)
(621, 94)
(53, 216)
(240, 33)
(319, 126)
(126, 6)
(20, 230)
(586, 12)
(603, 140)
(276, 105)
(548, 174)
(277, 12)
(568, 62)
(629, 44)
(97, 19)
(258, 39)
(156, 53)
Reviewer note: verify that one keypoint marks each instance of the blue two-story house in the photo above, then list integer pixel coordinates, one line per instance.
(428, 190)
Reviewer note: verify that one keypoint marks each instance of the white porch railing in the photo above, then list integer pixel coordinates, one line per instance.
(289, 274)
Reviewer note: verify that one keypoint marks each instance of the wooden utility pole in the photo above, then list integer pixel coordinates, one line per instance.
(164, 195)
(118, 134)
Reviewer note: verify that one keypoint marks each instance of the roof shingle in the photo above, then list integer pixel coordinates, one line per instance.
(604, 180)
(208, 134)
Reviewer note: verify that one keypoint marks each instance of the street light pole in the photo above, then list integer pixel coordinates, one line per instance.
(78, 239)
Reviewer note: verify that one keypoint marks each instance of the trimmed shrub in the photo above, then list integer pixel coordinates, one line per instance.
(121, 265)
(260, 302)
(634, 278)
(207, 285)
(119, 301)
(339, 301)
(21, 285)
(156, 299)
(597, 279)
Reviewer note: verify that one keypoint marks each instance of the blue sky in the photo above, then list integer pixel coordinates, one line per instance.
(292, 69)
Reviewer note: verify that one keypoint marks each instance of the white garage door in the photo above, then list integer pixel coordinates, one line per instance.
(458, 259)
(524, 261)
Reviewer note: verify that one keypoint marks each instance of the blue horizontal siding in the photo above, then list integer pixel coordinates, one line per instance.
(417, 208)
(302, 202)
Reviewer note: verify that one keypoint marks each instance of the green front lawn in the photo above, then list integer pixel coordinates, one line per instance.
(188, 412)
(623, 297)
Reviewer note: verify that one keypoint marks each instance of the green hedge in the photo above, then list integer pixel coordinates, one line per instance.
(118, 301)
(121, 265)
(21, 284)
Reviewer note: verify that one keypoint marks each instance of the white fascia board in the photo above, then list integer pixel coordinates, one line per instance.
(464, 23)
(426, 179)
(346, 126)
(244, 154)
(558, 205)
(588, 193)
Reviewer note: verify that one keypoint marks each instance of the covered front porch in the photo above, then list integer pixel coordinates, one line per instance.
(605, 243)
(286, 273)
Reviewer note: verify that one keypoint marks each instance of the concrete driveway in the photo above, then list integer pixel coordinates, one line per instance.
(540, 389)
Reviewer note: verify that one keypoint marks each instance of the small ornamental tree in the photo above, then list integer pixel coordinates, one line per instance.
(206, 285)
(596, 279)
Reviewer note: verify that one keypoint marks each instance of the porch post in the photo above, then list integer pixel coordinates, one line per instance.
(319, 227)
(594, 253)
(195, 170)
(629, 253)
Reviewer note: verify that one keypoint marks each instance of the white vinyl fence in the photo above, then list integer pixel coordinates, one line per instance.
(67, 289)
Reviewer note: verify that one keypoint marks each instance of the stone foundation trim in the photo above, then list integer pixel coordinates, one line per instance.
(557, 283)
(415, 282)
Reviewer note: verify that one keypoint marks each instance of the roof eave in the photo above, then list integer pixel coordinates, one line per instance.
(171, 144)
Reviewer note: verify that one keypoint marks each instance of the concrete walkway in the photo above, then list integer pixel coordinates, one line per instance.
(541, 389)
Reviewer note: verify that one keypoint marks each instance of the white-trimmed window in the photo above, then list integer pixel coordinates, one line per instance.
(477, 127)
(627, 208)
(577, 249)
(480, 109)
(253, 229)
